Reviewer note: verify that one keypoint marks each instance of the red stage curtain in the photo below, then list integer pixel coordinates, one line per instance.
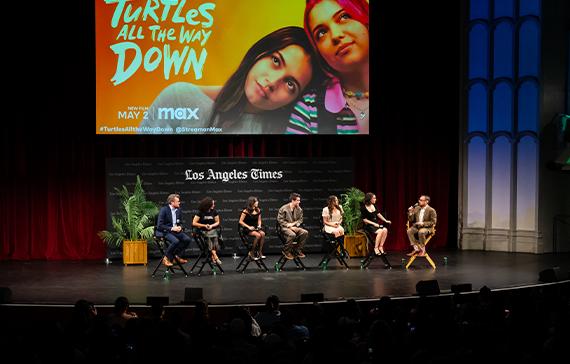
(53, 195)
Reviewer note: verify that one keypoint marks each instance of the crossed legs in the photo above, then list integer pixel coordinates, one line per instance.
(213, 246)
(178, 243)
(419, 244)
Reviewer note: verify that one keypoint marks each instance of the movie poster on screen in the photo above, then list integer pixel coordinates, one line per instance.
(194, 67)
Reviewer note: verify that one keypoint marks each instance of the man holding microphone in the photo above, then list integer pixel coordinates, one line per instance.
(422, 219)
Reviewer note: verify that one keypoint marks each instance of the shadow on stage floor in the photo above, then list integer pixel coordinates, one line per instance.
(40, 282)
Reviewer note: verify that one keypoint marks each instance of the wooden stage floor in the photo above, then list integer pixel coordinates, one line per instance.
(43, 282)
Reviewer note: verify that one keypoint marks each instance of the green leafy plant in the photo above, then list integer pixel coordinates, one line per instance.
(135, 220)
(351, 202)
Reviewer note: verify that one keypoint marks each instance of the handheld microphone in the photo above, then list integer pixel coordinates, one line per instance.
(414, 206)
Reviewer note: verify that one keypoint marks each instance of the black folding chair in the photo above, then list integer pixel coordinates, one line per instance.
(205, 257)
(283, 260)
(247, 243)
(371, 237)
(335, 248)
(162, 245)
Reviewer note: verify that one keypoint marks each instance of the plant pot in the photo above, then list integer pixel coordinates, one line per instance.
(356, 245)
(135, 252)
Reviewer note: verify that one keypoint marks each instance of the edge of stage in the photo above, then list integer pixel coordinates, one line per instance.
(63, 283)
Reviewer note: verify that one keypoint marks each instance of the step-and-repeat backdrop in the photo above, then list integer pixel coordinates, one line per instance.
(230, 181)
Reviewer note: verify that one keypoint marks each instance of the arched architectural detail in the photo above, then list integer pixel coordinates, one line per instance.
(476, 182)
(501, 183)
(478, 108)
(478, 51)
(502, 107)
(527, 183)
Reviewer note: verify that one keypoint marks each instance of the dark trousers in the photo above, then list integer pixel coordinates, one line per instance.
(178, 243)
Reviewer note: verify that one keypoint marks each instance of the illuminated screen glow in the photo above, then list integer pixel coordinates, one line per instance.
(173, 67)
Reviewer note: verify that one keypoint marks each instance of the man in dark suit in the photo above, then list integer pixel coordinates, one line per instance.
(422, 219)
(169, 226)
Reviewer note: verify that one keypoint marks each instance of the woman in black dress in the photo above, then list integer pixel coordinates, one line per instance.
(371, 219)
(250, 221)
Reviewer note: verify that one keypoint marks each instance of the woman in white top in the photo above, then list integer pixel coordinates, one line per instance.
(332, 218)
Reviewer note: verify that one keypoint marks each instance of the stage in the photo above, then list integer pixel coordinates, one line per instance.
(43, 282)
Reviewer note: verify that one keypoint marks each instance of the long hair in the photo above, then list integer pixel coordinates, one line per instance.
(332, 203)
(357, 9)
(231, 101)
(368, 198)
(205, 204)
(249, 205)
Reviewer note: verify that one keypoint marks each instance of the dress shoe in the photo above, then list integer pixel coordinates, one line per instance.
(288, 255)
(182, 260)
(166, 262)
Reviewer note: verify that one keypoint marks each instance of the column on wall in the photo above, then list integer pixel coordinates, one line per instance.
(500, 170)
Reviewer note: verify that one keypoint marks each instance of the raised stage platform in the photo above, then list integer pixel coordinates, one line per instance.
(41, 282)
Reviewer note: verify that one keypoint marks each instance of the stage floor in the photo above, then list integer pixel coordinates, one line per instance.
(41, 282)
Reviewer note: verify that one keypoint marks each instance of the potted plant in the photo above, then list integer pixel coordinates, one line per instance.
(133, 225)
(354, 241)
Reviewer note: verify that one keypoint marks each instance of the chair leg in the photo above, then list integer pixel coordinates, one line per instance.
(428, 258)
(281, 262)
(299, 263)
(326, 258)
(156, 269)
(337, 252)
(341, 260)
(367, 261)
(431, 262)
(412, 258)
(179, 266)
(220, 268)
(242, 261)
(386, 261)
(261, 265)
(198, 259)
